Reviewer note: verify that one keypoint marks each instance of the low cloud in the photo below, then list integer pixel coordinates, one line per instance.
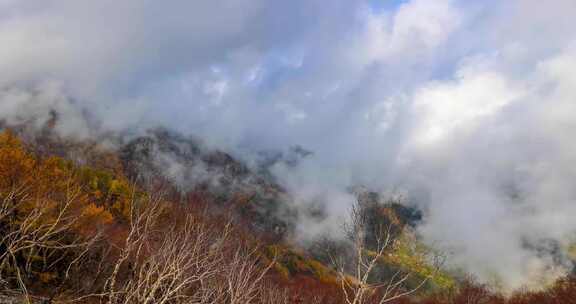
(468, 108)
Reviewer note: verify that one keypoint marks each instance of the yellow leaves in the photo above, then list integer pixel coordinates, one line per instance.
(52, 182)
(283, 271)
(290, 263)
(15, 163)
(53, 175)
(323, 273)
(55, 168)
(122, 207)
(7, 139)
(409, 254)
(118, 190)
(270, 252)
(92, 218)
(104, 186)
(109, 194)
(115, 186)
(97, 214)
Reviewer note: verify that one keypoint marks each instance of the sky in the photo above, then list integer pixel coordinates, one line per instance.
(465, 107)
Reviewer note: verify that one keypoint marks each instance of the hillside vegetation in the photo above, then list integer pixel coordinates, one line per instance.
(85, 227)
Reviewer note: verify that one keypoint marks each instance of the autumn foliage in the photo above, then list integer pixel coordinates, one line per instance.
(86, 234)
(71, 232)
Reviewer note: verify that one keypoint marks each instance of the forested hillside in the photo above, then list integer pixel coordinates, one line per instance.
(94, 231)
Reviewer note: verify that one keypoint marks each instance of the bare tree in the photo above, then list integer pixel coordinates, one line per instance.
(371, 243)
(241, 278)
(182, 256)
(36, 227)
(245, 274)
(165, 265)
(272, 294)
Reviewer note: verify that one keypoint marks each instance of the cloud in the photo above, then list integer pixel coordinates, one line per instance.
(467, 107)
(501, 170)
(37, 106)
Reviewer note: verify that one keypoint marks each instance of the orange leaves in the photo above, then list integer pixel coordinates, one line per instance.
(92, 217)
(15, 163)
(19, 167)
(93, 211)
(106, 189)
(47, 277)
(53, 182)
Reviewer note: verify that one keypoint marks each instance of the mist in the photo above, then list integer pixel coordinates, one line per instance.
(466, 108)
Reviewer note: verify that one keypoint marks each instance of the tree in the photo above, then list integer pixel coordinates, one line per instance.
(371, 242)
(183, 258)
(36, 235)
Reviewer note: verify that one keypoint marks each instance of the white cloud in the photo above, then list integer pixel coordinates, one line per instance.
(462, 104)
(447, 107)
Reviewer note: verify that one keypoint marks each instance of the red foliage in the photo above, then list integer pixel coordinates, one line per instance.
(563, 292)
